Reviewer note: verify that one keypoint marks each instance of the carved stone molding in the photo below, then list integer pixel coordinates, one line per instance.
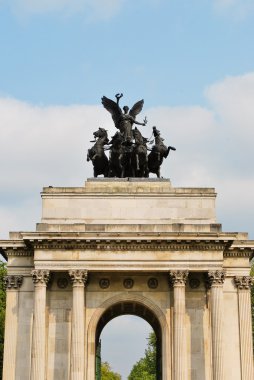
(40, 276)
(62, 282)
(178, 277)
(78, 276)
(243, 282)
(131, 245)
(214, 278)
(128, 283)
(152, 283)
(13, 282)
(104, 283)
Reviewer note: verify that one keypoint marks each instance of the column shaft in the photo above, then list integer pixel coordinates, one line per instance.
(179, 333)
(244, 302)
(79, 278)
(178, 280)
(78, 341)
(38, 365)
(216, 280)
(12, 284)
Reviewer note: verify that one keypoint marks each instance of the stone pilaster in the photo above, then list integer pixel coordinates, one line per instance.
(243, 285)
(79, 281)
(215, 280)
(178, 279)
(12, 284)
(40, 279)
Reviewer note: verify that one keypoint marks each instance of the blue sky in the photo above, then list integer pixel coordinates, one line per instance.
(165, 50)
(192, 62)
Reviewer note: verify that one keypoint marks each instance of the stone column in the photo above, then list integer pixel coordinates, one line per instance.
(79, 280)
(215, 280)
(12, 284)
(244, 304)
(178, 280)
(38, 366)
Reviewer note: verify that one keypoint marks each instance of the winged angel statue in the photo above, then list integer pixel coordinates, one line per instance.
(128, 151)
(125, 119)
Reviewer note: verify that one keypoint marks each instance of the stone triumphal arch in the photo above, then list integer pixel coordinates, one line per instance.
(128, 246)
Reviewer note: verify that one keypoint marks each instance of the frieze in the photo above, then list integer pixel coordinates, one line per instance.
(248, 253)
(13, 282)
(18, 252)
(104, 283)
(243, 282)
(128, 283)
(62, 282)
(152, 283)
(132, 245)
(194, 283)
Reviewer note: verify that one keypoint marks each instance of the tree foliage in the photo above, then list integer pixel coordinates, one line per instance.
(145, 368)
(2, 313)
(107, 373)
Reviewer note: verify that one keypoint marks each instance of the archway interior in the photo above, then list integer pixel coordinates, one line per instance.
(138, 310)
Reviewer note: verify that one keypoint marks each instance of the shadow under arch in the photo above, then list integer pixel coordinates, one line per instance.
(123, 304)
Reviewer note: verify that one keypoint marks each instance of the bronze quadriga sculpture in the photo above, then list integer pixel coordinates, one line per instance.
(128, 151)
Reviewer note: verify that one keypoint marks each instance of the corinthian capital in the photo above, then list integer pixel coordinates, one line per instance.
(78, 276)
(243, 282)
(178, 277)
(13, 282)
(215, 278)
(40, 276)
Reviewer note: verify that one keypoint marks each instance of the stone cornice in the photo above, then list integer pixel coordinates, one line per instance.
(246, 251)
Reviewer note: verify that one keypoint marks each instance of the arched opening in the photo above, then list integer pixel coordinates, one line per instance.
(135, 309)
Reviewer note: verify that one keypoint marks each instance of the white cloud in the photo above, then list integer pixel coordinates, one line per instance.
(102, 9)
(43, 146)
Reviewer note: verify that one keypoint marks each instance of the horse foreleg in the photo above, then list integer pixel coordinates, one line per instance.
(137, 160)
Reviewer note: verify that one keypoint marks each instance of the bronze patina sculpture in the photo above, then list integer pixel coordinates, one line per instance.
(127, 148)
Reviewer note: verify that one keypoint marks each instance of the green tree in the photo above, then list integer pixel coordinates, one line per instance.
(107, 373)
(2, 313)
(145, 368)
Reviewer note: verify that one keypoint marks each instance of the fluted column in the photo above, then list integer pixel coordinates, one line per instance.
(178, 280)
(38, 365)
(244, 306)
(215, 280)
(79, 280)
(12, 284)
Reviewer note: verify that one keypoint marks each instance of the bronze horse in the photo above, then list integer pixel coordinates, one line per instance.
(139, 154)
(116, 156)
(97, 153)
(158, 153)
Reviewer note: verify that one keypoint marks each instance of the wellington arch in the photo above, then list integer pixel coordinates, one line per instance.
(134, 246)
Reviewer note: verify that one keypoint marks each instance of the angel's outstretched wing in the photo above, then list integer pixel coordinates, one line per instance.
(113, 108)
(137, 108)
